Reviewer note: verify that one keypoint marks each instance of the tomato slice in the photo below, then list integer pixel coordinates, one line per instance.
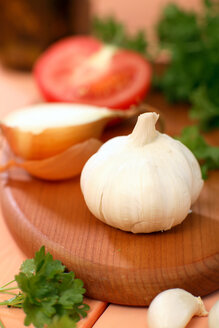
(83, 70)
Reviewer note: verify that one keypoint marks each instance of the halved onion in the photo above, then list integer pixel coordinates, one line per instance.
(54, 141)
(44, 130)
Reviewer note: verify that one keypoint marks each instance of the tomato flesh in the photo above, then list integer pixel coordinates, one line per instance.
(66, 73)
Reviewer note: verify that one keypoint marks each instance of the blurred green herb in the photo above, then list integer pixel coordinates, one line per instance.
(109, 30)
(207, 155)
(49, 296)
(193, 73)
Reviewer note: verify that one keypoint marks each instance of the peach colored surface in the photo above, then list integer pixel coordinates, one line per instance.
(17, 90)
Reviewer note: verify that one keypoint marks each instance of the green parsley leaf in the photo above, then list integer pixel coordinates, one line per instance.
(49, 295)
(207, 155)
(63, 322)
(205, 109)
(28, 267)
(109, 30)
(170, 29)
(35, 314)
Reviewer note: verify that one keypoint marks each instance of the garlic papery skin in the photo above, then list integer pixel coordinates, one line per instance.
(44, 130)
(143, 182)
(174, 308)
(213, 318)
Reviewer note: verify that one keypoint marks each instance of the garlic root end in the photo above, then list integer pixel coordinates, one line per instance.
(202, 311)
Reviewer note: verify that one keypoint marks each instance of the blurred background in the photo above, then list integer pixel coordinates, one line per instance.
(29, 26)
(139, 14)
(181, 33)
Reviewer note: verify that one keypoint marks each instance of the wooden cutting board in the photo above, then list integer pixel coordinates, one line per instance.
(116, 266)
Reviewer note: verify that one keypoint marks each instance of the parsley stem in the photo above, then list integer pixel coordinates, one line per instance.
(20, 306)
(4, 303)
(8, 283)
(1, 324)
(3, 290)
(8, 304)
(8, 293)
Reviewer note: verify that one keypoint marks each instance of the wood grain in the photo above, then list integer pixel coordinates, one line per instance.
(117, 266)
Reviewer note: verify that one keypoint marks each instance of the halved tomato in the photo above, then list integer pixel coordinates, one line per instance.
(83, 70)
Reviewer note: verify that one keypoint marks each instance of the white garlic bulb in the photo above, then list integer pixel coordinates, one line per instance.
(174, 308)
(143, 182)
(213, 319)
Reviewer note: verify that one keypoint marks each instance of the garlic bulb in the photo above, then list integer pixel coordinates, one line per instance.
(44, 130)
(213, 318)
(174, 308)
(142, 182)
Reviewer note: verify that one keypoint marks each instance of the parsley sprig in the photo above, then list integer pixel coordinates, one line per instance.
(193, 73)
(48, 294)
(207, 155)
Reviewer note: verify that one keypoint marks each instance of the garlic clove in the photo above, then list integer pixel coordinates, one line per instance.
(65, 165)
(44, 130)
(213, 318)
(174, 308)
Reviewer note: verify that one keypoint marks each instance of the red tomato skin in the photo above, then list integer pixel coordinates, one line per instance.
(90, 45)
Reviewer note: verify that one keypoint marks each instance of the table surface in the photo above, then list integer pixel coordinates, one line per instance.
(17, 90)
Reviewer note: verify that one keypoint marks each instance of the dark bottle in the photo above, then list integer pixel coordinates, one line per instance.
(27, 27)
